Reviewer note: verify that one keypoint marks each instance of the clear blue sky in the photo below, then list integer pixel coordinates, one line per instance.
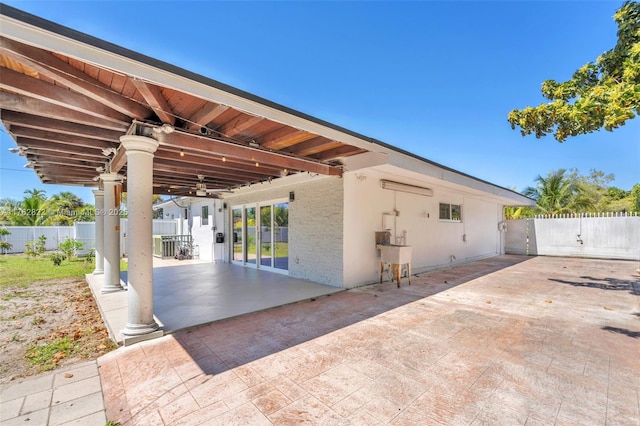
(434, 78)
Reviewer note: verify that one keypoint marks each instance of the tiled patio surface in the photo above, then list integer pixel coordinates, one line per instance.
(195, 292)
(504, 341)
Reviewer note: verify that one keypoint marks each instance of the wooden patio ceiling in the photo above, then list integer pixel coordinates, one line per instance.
(66, 116)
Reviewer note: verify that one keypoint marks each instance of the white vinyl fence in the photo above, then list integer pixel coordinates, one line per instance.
(598, 235)
(82, 231)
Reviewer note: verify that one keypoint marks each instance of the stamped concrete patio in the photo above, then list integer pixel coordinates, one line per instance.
(509, 340)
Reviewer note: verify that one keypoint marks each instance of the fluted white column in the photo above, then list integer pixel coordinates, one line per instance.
(139, 150)
(99, 229)
(111, 215)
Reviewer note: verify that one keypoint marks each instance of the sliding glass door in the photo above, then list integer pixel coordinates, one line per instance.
(238, 235)
(261, 232)
(281, 236)
(266, 246)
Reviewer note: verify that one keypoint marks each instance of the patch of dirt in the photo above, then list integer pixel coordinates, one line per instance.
(43, 312)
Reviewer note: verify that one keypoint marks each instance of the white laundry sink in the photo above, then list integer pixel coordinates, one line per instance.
(395, 254)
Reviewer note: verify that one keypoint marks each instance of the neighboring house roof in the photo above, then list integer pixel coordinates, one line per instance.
(67, 97)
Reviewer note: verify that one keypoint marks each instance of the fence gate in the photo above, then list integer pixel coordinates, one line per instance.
(603, 235)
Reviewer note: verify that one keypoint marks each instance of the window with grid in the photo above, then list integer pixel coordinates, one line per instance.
(452, 212)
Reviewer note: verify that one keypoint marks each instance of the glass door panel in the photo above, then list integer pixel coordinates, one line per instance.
(281, 235)
(237, 234)
(250, 254)
(265, 236)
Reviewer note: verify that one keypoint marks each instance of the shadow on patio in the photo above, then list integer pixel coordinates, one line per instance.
(491, 342)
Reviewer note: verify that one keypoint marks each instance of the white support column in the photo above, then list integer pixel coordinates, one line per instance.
(111, 232)
(99, 231)
(140, 322)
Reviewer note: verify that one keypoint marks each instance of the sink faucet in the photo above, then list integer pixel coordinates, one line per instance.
(402, 241)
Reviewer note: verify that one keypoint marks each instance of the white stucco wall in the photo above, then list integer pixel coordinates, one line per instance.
(332, 224)
(434, 241)
(203, 235)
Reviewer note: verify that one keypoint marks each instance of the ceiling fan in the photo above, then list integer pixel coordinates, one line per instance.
(201, 188)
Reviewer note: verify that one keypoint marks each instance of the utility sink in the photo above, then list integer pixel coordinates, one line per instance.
(397, 256)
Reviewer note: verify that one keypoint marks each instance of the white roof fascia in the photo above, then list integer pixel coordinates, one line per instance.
(449, 176)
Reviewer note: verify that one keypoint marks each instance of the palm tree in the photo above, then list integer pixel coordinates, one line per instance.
(69, 208)
(557, 194)
(39, 193)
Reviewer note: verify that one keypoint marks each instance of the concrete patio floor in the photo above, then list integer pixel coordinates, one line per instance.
(510, 340)
(194, 292)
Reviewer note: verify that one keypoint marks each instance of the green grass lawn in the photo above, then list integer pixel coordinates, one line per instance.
(282, 249)
(18, 270)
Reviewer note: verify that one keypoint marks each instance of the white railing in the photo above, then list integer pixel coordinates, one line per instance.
(589, 214)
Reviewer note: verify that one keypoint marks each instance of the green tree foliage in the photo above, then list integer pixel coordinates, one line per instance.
(36, 248)
(4, 244)
(36, 209)
(558, 193)
(601, 94)
(635, 198)
(70, 247)
(567, 192)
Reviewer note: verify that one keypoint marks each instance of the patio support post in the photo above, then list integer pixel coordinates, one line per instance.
(99, 230)
(140, 320)
(111, 214)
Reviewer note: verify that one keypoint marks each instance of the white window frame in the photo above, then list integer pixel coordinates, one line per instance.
(204, 219)
(450, 208)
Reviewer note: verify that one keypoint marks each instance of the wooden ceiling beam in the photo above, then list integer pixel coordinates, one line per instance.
(39, 145)
(283, 137)
(218, 183)
(239, 125)
(67, 153)
(60, 71)
(215, 161)
(59, 126)
(229, 149)
(54, 137)
(55, 171)
(118, 161)
(205, 115)
(152, 94)
(37, 107)
(31, 87)
(209, 171)
(313, 146)
(335, 153)
(64, 162)
(36, 142)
